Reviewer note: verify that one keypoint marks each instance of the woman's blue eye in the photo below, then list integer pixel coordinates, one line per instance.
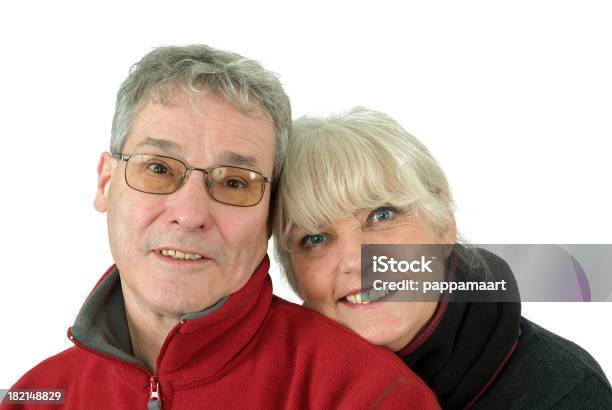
(382, 214)
(309, 241)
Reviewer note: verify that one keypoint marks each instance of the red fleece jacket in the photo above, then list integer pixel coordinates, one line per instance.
(255, 351)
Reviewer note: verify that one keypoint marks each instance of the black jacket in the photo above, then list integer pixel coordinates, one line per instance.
(484, 355)
(545, 372)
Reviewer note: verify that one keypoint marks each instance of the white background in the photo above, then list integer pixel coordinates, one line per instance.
(513, 98)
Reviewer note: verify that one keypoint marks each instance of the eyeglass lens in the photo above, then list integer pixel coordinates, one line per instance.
(164, 175)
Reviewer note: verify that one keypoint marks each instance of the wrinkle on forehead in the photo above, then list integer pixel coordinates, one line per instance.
(162, 144)
(237, 144)
(213, 128)
(243, 129)
(251, 139)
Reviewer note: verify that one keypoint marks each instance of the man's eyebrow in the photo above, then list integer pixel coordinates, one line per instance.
(162, 144)
(234, 158)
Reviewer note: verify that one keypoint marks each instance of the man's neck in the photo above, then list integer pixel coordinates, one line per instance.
(148, 330)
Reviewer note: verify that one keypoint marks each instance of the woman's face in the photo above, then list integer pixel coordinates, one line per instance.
(328, 269)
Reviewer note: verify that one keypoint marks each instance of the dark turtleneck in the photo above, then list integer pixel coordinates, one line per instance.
(466, 343)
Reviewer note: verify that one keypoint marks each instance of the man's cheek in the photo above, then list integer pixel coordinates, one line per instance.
(243, 231)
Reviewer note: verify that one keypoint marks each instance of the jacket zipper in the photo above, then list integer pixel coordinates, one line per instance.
(155, 401)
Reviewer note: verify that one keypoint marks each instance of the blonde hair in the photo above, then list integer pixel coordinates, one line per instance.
(341, 164)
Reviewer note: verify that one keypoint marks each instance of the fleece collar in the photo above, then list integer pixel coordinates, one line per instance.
(200, 347)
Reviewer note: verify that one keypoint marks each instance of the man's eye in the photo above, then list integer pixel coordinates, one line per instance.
(308, 241)
(157, 168)
(234, 183)
(382, 214)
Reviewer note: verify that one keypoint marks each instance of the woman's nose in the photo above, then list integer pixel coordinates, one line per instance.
(349, 253)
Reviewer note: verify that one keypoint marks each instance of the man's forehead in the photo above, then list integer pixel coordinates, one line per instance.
(186, 128)
(173, 148)
(213, 109)
(162, 144)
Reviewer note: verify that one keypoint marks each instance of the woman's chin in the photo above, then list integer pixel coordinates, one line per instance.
(390, 340)
(380, 328)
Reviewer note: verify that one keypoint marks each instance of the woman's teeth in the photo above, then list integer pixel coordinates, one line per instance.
(367, 296)
(180, 255)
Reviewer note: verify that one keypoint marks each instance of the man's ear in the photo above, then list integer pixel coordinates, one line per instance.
(106, 166)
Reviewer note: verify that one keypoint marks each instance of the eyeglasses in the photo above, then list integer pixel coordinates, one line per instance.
(158, 174)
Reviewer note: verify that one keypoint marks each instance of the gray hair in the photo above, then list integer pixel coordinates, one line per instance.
(338, 165)
(197, 69)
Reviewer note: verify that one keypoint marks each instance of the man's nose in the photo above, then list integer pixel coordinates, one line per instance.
(190, 205)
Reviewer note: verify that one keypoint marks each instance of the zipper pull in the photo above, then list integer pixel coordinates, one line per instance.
(154, 402)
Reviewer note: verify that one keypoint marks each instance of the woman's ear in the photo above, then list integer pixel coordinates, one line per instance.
(450, 233)
(449, 236)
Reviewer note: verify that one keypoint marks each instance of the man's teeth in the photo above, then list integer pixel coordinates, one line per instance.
(180, 255)
(367, 296)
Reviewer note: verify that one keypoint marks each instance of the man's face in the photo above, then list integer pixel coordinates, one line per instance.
(143, 226)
